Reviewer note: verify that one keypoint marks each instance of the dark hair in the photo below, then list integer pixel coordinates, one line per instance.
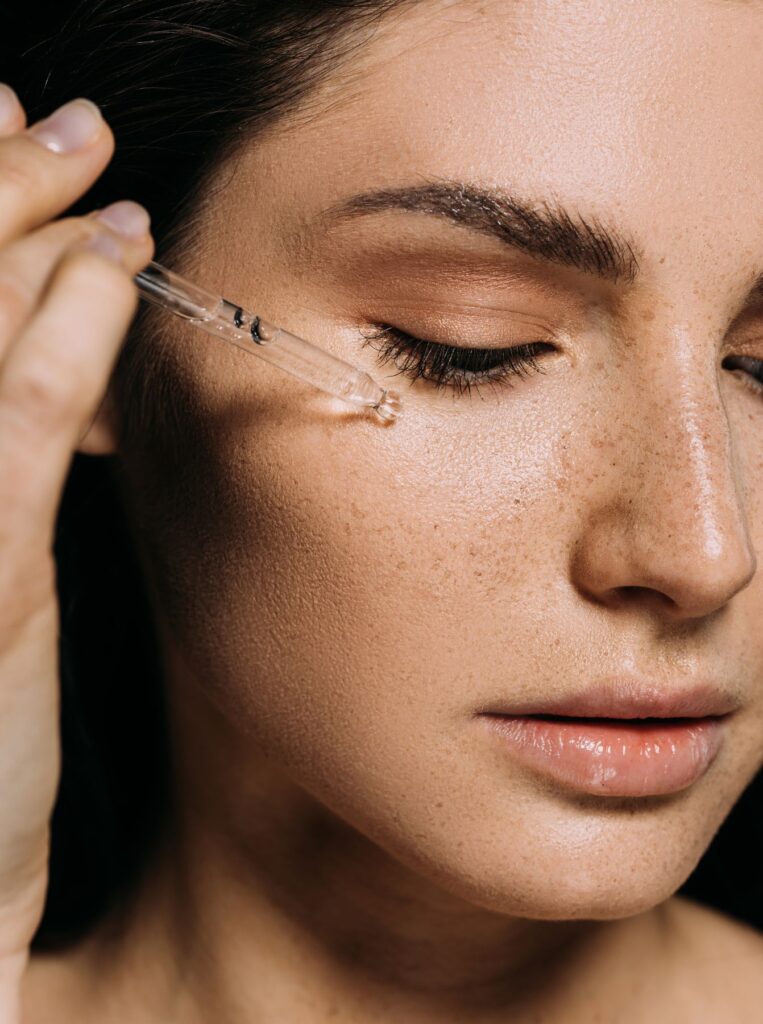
(178, 82)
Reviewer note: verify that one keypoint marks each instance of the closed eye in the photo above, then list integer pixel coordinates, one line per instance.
(753, 370)
(454, 366)
(463, 368)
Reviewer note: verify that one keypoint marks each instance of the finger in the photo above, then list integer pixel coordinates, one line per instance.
(52, 382)
(27, 263)
(46, 168)
(12, 114)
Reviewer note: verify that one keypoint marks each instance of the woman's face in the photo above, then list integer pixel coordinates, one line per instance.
(350, 595)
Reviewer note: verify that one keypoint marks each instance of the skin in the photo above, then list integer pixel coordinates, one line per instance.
(337, 598)
(66, 300)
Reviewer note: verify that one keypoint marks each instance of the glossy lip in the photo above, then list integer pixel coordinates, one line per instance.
(619, 758)
(627, 697)
(597, 748)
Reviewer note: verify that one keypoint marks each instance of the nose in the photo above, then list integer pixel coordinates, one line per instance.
(668, 527)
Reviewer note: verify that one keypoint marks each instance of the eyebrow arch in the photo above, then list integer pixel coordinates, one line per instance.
(542, 230)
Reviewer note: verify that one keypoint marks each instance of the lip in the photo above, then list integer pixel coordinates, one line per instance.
(626, 697)
(619, 758)
(598, 748)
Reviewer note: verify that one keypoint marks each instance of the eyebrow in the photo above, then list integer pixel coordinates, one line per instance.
(543, 230)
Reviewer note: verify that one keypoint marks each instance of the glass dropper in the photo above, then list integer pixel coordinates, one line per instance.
(301, 358)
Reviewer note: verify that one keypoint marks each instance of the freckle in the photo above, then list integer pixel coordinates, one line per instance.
(402, 566)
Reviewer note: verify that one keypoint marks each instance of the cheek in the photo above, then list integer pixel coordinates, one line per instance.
(349, 595)
(379, 579)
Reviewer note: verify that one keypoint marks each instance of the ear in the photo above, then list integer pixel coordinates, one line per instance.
(100, 437)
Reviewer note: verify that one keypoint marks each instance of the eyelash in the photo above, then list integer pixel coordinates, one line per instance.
(454, 366)
(752, 378)
(462, 369)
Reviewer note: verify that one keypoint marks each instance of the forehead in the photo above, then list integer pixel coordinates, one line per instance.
(484, 80)
(648, 114)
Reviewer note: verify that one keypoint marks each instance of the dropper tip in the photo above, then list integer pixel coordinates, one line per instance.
(389, 406)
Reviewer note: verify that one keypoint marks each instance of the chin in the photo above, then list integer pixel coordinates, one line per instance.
(563, 897)
(561, 877)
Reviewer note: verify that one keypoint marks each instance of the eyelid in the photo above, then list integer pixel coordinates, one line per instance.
(437, 364)
(507, 332)
(750, 348)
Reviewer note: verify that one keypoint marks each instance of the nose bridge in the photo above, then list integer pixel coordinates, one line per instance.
(682, 514)
(685, 454)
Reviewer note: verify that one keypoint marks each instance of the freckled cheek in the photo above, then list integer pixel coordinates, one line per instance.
(385, 568)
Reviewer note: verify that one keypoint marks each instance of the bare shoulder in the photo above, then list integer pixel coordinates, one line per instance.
(719, 960)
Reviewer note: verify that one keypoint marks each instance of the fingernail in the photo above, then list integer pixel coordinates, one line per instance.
(104, 245)
(69, 128)
(9, 104)
(126, 217)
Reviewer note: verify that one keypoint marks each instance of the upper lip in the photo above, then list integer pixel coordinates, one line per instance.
(629, 698)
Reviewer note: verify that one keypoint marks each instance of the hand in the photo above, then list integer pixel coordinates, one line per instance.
(65, 308)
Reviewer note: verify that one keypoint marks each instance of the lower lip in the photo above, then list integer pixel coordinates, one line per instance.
(609, 757)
